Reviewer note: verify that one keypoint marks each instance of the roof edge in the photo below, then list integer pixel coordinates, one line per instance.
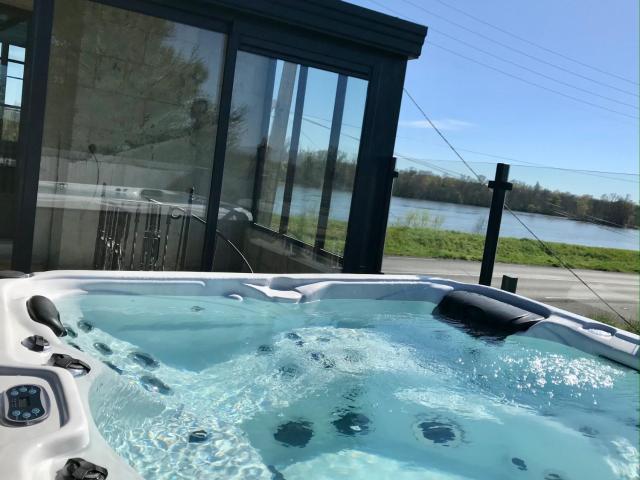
(339, 19)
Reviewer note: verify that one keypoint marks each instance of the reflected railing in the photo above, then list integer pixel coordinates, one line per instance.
(153, 235)
(137, 236)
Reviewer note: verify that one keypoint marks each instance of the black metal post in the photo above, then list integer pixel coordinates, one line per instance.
(500, 185)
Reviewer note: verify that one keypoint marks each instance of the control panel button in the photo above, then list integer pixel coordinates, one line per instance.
(24, 405)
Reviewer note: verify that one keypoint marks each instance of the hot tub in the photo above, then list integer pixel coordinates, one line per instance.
(187, 375)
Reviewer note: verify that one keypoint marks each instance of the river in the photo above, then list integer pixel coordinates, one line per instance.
(472, 219)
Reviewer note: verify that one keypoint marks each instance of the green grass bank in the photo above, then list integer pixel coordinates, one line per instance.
(435, 243)
(421, 236)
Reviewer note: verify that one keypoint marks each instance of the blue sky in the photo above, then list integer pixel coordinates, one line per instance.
(488, 112)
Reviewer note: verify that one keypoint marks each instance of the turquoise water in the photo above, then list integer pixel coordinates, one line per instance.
(345, 389)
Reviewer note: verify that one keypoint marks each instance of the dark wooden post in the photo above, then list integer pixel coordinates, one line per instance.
(500, 185)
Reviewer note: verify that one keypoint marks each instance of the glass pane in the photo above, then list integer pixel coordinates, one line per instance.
(13, 92)
(280, 125)
(312, 155)
(289, 169)
(130, 128)
(590, 220)
(348, 150)
(15, 70)
(16, 53)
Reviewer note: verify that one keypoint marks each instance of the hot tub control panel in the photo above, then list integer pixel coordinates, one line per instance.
(25, 405)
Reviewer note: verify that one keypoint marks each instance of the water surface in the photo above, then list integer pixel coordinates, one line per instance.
(472, 219)
(212, 387)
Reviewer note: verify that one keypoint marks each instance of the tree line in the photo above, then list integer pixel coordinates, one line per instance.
(612, 210)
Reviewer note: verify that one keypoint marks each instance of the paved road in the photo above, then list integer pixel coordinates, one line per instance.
(555, 286)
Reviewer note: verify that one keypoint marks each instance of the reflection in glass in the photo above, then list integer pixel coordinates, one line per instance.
(130, 128)
(290, 166)
(15, 70)
(347, 158)
(13, 92)
(16, 53)
(314, 142)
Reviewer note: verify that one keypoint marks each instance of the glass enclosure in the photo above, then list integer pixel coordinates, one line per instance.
(14, 18)
(292, 150)
(129, 135)
(186, 136)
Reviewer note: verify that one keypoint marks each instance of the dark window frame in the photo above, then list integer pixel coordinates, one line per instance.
(375, 48)
(34, 89)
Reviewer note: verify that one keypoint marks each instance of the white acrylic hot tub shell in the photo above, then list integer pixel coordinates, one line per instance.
(41, 450)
